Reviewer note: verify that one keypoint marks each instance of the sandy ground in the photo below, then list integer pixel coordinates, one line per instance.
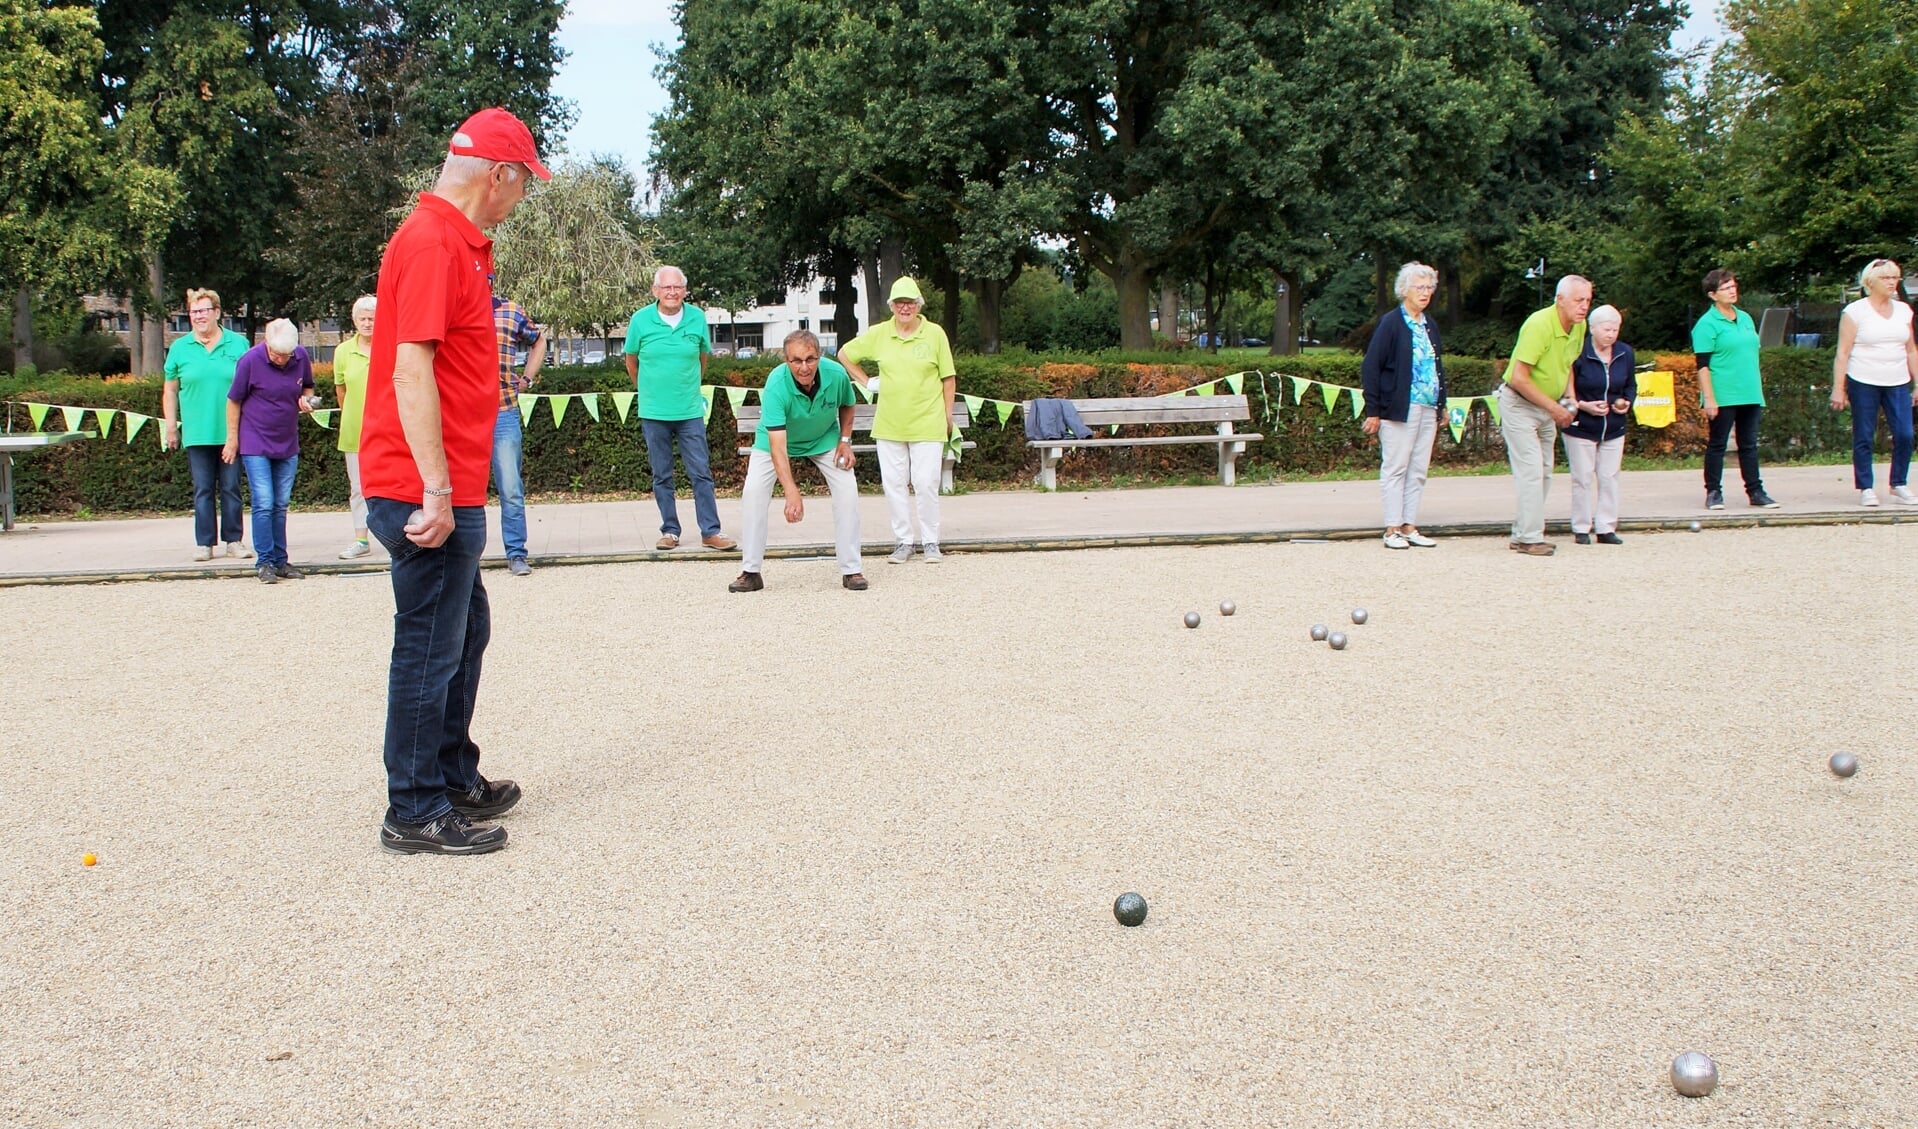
(811, 857)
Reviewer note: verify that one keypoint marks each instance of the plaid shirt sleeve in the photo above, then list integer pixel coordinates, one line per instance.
(514, 331)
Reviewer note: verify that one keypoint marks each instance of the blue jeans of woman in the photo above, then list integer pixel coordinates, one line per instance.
(210, 475)
(690, 436)
(1866, 402)
(270, 481)
(441, 625)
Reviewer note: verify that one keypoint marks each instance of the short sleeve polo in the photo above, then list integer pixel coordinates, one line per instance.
(1550, 348)
(436, 286)
(811, 423)
(668, 360)
(912, 370)
(350, 363)
(1733, 344)
(205, 376)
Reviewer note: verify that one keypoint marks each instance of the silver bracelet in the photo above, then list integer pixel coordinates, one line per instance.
(441, 493)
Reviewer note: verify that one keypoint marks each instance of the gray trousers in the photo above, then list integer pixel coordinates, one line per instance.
(1405, 455)
(1531, 443)
(756, 497)
(1594, 483)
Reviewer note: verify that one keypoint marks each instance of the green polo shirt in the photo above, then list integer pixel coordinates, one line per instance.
(350, 362)
(811, 422)
(1733, 345)
(912, 370)
(205, 376)
(1550, 348)
(669, 362)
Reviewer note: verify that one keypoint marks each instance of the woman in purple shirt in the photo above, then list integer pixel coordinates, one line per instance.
(270, 391)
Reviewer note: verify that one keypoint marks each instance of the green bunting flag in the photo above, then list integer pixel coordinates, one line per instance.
(1358, 402)
(1299, 385)
(736, 397)
(135, 421)
(706, 390)
(1209, 388)
(558, 405)
(1236, 382)
(973, 404)
(1113, 430)
(590, 401)
(73, 417)
(1004, 408)
(103, 419)
(624, 402)
(1456, 409)
(859, 389)
(1331, 394)
(1491, 405)
(38, 414)
(324, 418)
(527, 402)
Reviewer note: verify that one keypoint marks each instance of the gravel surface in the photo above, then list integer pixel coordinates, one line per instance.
(811, 857)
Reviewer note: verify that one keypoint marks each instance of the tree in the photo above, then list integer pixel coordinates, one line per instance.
(570, 253)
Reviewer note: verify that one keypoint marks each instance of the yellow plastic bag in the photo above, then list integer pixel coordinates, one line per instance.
(1654, 406)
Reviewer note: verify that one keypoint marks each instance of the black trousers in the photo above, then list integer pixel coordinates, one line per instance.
(1745, 418)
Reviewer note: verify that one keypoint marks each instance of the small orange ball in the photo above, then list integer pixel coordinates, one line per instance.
(88, 859)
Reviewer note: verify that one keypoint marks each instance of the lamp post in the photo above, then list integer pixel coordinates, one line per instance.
(1536, 273)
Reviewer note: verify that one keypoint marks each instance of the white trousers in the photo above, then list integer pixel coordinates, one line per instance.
(354, 500)
(1530, 436)
(756, 499)
(917, 465)
(1405, 455)
(1594, 483)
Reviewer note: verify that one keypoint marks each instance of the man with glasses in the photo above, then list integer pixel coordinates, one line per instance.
(199, 373)
(667, 344)
(432, 404)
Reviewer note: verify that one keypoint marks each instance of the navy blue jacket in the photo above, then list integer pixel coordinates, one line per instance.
(1387, 374)
(1591, 380)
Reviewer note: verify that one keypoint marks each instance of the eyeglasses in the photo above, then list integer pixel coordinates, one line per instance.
(205, 310)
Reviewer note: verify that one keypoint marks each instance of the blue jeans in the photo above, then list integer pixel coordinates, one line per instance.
(441, 624)
(270, 481)
(690, 434)
(1866, 400)
(508, 443)
(210, 474)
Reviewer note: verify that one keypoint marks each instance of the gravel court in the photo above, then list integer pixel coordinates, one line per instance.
(810, 857)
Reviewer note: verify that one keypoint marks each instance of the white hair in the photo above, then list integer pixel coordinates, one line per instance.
(1608, 314)
(1565, 284)
(282, 336)
(1410, 274)
(459, 171)
(364, 302)
(1876, 267)
(659, 276)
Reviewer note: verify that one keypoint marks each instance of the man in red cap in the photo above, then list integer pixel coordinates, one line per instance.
(432, 401)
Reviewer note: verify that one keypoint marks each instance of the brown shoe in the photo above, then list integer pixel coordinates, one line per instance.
(667, 541)
(856, 581)
(747, 582)
(719, 541)
(1534, 548)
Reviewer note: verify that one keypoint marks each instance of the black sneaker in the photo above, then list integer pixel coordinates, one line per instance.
(1714, 499)
(487, 799)
(288, 572)
(1581, 538)
(268, 576)
(1763, 500)
(1610, 539)
(450, 834)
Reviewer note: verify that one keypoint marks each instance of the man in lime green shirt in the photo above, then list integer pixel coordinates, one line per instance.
(199, 374)
(667, 344)
(806, 411)
(917, 380)
(1529, 408)
(351, 359)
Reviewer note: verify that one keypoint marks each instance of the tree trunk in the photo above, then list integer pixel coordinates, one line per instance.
(1169, 308)
(845, 305)
(1133, 282)
(152, 313)
(22, 328)
(951, 288)
(875, 296)
(892, 264)
(990, 292)
(1454, 299)
(1285, 340)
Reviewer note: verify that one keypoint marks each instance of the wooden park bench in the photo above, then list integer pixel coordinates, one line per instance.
(747, 418)
(1101, 415)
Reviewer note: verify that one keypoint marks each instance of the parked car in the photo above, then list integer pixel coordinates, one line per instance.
(593, 357)
(1252, 342)
(745, 351)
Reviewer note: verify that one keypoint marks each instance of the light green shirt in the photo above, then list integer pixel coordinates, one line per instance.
(912, 373)
(350, 362)
(811, 422)
(668, 359)
(205, 376)
(1550, 348)
(1733, 345)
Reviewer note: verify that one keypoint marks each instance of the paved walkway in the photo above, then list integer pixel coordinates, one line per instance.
(588, 532)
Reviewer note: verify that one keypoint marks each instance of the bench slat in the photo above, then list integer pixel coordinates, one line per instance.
(746, 419)
(1145, 440)
(1125, 411)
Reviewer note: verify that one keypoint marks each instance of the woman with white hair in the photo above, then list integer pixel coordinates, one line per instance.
(351, 359)
(270, 391)
(1876, 362)
(1404, 383)
(1603, 385)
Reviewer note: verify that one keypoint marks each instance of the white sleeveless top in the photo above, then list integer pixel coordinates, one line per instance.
(1878, 351)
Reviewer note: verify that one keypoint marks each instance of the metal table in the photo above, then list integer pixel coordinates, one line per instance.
(25, 442)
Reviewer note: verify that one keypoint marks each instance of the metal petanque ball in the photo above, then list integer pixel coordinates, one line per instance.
(1360, 615)
(1319, 632)
(1843, 764)
(1129, 909)
(1694, 1074)
(1337, 640)
(1696, 527)
(1192, 619)
(1227, 607)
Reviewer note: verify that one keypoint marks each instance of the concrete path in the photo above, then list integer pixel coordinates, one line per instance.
(1013, 519)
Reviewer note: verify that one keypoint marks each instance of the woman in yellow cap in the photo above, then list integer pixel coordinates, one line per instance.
(914, 417)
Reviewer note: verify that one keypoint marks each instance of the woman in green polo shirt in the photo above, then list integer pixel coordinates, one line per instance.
(199, 373)
(1725, 341)
(350, 361)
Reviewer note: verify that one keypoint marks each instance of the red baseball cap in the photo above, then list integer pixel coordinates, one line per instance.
(496, 135)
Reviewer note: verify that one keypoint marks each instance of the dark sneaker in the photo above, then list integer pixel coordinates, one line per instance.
(1763, 500)
(450, 834)
(1714, 499)
(856, 581)
(487, 799)
(1610, 539)
(518, 566)
(288, 572)
(1581, 538)
(268, 576)
(747, 582)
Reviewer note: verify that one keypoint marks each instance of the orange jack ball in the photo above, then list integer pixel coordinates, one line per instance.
(88, 859)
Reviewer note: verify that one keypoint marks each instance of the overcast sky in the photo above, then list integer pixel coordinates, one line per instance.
(614, 50)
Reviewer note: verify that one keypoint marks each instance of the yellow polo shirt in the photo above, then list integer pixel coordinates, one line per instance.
(350, 363)
(912, 374)
(1550, 348)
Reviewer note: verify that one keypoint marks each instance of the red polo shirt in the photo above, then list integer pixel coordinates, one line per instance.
(436, 284)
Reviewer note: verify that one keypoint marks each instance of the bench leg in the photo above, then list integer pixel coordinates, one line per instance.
(1229, 462)
(1048, 467)
(945, 476)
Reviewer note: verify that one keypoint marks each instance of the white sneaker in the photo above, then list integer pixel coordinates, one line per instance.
(203, 553)
(1421, 540)
(237, 551)
(901, 553)
(1396, 540)
(1868, 499)
(1905, 497)
(931, 552)
(356, 549)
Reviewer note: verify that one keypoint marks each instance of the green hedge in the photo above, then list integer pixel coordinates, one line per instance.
(585, 457)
